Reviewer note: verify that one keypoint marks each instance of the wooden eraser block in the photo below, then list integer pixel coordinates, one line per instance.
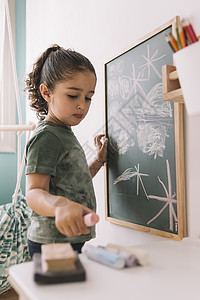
(58, 251)
(78, 274)
(58, 257)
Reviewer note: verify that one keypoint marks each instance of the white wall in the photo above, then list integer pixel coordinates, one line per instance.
(100, 30)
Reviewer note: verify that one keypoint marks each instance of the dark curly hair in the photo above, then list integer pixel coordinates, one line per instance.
(54, 65)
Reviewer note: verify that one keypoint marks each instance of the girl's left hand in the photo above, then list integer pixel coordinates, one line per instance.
(101, 147)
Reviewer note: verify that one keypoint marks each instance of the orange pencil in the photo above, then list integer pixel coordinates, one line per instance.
(173, 42)
(182, 36)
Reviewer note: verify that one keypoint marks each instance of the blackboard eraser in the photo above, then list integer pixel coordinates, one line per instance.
(49, 277)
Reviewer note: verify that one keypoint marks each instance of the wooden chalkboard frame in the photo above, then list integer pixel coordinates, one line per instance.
(179, 155)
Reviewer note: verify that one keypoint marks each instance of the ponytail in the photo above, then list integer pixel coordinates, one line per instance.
(54, 65)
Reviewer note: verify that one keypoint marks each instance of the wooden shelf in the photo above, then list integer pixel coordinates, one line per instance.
(171, 86)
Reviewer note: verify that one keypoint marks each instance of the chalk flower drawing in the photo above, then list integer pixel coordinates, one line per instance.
(149, 63)
(137, 80)
(169, 201)
(129, 173)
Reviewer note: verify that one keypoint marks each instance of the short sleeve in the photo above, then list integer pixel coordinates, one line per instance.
(42, 154)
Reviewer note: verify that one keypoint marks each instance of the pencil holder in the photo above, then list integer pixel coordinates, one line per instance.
(187, 61)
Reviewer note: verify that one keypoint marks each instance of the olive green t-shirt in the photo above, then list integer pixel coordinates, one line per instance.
(54, 150)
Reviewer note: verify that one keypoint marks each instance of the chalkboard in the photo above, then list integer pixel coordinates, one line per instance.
(145, 187)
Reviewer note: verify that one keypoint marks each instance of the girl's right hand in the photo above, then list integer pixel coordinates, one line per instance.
(69, 219)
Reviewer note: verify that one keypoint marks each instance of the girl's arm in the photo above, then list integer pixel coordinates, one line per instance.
(68, 214)
(101, 158)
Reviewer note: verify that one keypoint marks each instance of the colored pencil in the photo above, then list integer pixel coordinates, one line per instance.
(173, 42)
(178, 38)
(189, 31)
(185, 35)
(186, 31)
(168, 40)
(182, 36)
(193, 34)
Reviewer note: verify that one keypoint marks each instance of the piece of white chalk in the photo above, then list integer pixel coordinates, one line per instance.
(102, 255)
(91, 219)
(129, 258)
(141, 254)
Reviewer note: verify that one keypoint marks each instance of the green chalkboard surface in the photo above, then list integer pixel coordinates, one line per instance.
(143, 169)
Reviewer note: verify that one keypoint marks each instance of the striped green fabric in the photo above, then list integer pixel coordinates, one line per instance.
(14, 222)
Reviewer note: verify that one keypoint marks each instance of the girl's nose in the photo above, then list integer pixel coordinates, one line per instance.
(79, 107)
(81, 104)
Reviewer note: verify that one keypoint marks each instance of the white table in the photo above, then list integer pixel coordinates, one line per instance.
(173, 273)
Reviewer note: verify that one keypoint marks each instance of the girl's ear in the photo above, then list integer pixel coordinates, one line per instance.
(45, 92)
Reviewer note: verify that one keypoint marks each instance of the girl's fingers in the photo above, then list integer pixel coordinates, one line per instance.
(77, 228)
(66, 230)
(99, 136)
(105, 143)
(74, 229)
(70, 222)
(97, 140)
(82, 227)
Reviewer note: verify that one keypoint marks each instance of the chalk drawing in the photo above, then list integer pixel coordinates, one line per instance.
(155, 102)
(119, 66)
(151, 140)
(169, 201)
(121, 138)
(130, 173)
(116, 68)
(137, 80)
(122, 133)
(125, 86)
(146, 116)
(111, 70)
(154, 120)
(149, 63)
(149, 124)
(113, 88)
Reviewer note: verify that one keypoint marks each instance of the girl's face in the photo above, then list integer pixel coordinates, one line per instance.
(70, 100)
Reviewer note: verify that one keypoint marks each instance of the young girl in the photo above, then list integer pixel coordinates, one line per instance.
(59, 182)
